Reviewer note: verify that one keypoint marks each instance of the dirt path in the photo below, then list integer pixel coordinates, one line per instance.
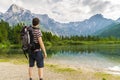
(9, 71)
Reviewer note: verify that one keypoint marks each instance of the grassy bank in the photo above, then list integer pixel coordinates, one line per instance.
(62, 43)
(81, 74)
(4, 45)
(70, 42)
(14, 58)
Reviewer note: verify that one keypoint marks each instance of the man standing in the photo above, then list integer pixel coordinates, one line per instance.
(39, 53)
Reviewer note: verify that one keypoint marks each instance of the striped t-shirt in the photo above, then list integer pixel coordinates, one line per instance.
(37, 33)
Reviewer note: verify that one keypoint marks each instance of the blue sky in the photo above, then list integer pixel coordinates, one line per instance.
(68, 10)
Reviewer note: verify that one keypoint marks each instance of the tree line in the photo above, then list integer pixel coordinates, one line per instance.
(11, 34)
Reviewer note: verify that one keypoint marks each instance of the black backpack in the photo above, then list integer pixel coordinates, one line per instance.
(27, 39)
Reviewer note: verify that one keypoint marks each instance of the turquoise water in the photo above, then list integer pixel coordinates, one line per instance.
(98, 57)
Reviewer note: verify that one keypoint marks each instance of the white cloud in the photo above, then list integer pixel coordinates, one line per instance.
(113, 11)
(4, 5)
(68, 10)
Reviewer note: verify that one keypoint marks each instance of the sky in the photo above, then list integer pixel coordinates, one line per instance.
(68, 10)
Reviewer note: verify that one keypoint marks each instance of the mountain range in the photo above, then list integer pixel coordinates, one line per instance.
(112, 31)
(92, 26)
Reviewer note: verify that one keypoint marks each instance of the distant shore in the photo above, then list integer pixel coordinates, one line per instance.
(71, 42)
(64, 43)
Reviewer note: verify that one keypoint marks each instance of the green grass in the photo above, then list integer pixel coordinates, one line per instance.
(103, 79)
(65, 70)
(61, 69)
(105, 76)
(4, 60)
(15, 61)
(70, 42)
(3, 46)
(77, 74)
(13, 58)
(64, 42)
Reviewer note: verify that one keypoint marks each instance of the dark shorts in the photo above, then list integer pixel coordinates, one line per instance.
(38, 57)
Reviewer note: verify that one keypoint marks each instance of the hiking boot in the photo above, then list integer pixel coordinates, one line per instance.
(41, 79)
(30, 78)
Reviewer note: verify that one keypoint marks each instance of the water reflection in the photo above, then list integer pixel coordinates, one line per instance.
(104, 55)
(110, 50)
(95, 56)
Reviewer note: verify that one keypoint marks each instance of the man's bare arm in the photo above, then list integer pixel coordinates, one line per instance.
(42, 46)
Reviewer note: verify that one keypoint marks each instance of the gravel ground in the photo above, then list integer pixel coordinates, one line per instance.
(9, 71)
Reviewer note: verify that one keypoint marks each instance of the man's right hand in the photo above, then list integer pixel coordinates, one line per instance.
(45, 55)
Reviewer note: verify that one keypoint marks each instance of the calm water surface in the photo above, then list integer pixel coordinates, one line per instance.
(92, 56)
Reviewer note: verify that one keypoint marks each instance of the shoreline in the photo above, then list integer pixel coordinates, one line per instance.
(51, 63)
(86, 68)
(97, 74)
(65, 42)
(57, 72)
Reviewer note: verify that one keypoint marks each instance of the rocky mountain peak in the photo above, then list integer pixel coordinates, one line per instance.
(15, 9)
(97, 16)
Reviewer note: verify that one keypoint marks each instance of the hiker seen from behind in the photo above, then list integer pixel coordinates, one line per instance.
(37, 51)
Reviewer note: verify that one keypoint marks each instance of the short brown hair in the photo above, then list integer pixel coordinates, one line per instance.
(35, 21)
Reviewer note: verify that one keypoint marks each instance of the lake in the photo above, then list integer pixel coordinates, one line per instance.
(97, 57)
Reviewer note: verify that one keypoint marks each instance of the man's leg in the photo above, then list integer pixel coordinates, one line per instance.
(40, 73)
(40, 64)
(31, 65)
(30, 72)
